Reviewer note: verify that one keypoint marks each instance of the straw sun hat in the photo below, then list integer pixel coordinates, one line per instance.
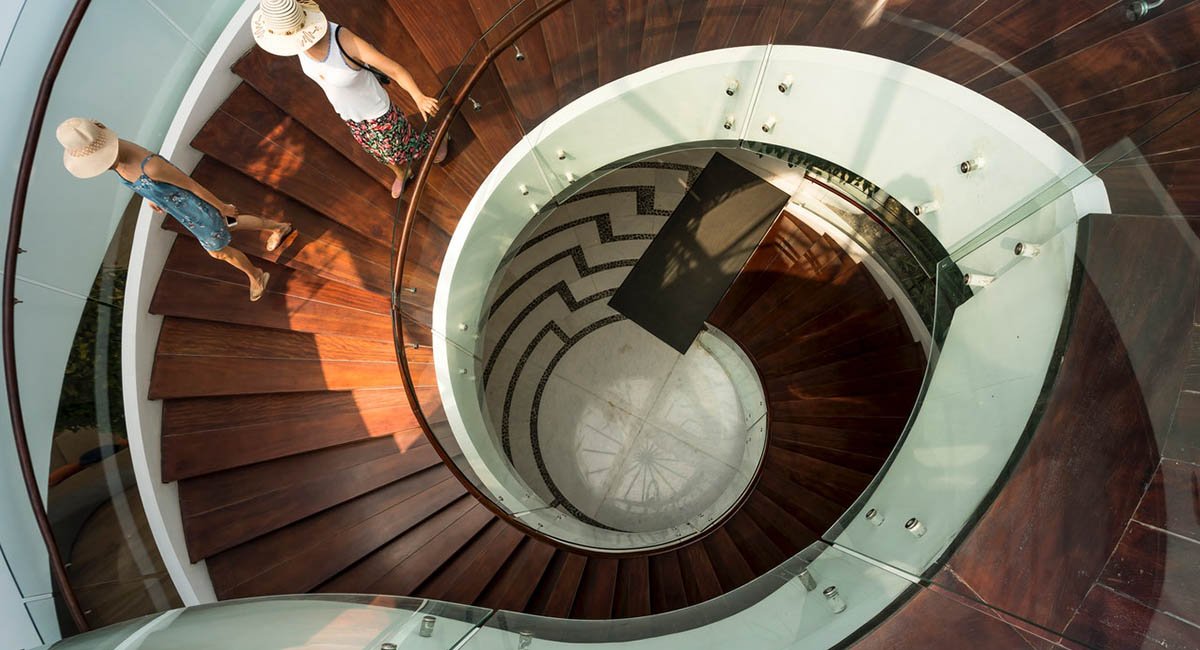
(90, 148)
(288, 27)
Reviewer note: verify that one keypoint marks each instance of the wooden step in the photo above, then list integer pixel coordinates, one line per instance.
(632, 597)
(730, 565)
(824, 346)
(864, 463)
(280, 80)
(252, 135)
(257, 428)
(838, 484)
(410, 559)
(814, 507)
(700, 581)
(877, 362)
(193, 285)
(514, 585)
(362, 576)
(205, 358)
(287, 490)
(597, 589)
(755, 546)
(877, 444)
(555, 595)
(302, 556)
(904, 383)
(464, 577)
(784, 530)
(878, 405)
(668, 592)
(320, 246)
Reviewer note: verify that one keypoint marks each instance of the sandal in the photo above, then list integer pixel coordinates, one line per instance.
(443, 151)
(262, 287)
(278, 236)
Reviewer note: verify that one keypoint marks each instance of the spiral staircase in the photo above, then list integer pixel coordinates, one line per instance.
(303, 468)
(316, 476)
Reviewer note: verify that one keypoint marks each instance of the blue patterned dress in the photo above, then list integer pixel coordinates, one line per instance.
(196, 214)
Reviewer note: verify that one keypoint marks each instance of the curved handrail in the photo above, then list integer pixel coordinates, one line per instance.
(409, 219)
(410, 214)
(12, 250)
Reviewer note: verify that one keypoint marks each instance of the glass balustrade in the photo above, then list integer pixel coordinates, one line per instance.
(1027, 277)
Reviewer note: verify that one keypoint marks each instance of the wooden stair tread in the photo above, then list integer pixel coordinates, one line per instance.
(257, 428)
(251, 134)
(305, 490)
(305, 554)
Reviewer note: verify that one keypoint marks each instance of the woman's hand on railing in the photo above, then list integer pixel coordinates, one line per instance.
(427, 105)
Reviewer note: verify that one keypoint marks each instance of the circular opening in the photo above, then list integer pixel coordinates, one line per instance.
(636, 437)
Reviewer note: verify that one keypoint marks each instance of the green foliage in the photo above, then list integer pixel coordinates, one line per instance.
(77, 406)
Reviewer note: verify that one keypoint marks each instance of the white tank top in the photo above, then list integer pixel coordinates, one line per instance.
(356, 95)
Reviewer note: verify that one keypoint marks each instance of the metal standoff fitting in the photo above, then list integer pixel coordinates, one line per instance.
(731, 88)
(519, 54)
(834, 600)
(769, 125)
(427, 626)
(462, 371)
(1025, 249)
(874, 517)
(915, 527)
(415, 346)
(562, 154)
(524, 189)
(387, 646)
(410, 289)
(978, 279)
(475, 106)
(807, 580)
(972, 165)
(729, 122)
(1136, 11)
(462, 327)
(926, 208)
(525, 640)
(571, 177)
(785, 85)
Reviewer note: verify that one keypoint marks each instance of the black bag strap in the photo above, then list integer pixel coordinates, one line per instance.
(383, 79)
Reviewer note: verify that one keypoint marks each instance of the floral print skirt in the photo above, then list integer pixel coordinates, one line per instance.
(390, 139)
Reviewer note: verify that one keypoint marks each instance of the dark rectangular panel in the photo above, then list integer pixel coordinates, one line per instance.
(699, 252)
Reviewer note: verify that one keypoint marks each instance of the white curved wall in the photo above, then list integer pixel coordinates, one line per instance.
(213, 82)
(900, 127)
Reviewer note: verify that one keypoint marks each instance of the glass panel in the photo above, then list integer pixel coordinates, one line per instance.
(786, 608)
(343, 621)
(66, 247)
(92, 498)
(1112, 430)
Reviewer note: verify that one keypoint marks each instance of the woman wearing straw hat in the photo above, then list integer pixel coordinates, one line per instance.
(345, 65)
(92, 148)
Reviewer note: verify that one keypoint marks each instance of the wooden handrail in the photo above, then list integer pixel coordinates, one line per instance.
(24, 172)
(410, 216)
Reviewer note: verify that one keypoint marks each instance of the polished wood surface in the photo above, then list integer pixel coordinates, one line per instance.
(301, 467)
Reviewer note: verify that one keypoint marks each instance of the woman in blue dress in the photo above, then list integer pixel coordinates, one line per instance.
(90, 149)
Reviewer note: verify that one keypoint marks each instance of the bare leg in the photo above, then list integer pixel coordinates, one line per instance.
(251, 222)
(238, 260)
(278, 229)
